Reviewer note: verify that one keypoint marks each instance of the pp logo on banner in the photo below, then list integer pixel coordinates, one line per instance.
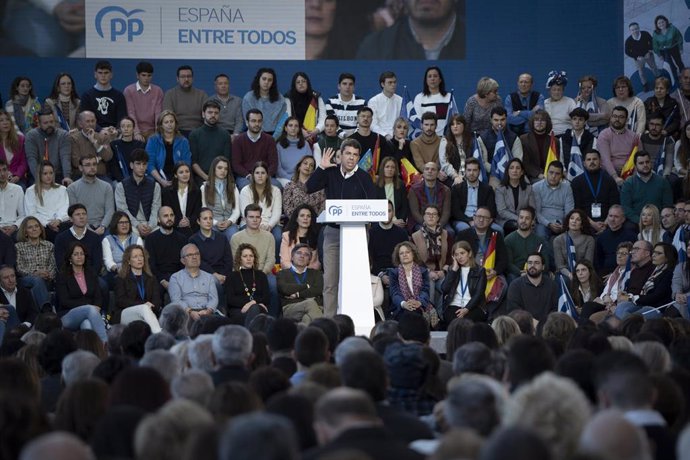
(121, 24)
(335, 210)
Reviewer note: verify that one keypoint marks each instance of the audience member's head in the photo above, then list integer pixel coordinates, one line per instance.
(552, 406)
(57, 446)
(259, 436)
(300, 411)
(365, 370)
(330, 328)
(281, 335)
(78, 365)
(164, 434)
(152, 391)
(133, 339)
(231, 399)
(610, 435)
(505, 327)
(159, 341)
(341, 409)
(232, 346)
(527, 356)
(346, 327)
(268, 381)
(164, 362)
(559, 327)
(194, 385)
(471, 404)
(458, 335)
(350, 345)
(80, 407)
(108, 369)
(53, 349)
(174, 319)
(655, 356)
(622, 381)
(405, 365)
(577, 365)
(311, 347)
(525, 321)
(414, 328)
(515, 443)
(483, 333)
(200, 353)
(473, 357)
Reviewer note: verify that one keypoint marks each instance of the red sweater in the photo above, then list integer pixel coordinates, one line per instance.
(245, 154)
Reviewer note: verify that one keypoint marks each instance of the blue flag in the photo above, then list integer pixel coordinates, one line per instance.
(409, 113)
(565, 300)
(477, 153)
(660, 159)
(452, 110)
(571, 253)
(575, 167)
(502, 156)
(366, 162)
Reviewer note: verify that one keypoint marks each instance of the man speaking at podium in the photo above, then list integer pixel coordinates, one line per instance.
(342, 182)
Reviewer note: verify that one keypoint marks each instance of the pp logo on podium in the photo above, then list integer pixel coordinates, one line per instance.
(335, 210)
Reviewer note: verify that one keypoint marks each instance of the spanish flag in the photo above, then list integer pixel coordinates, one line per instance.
(310, 116)
(375, 158)
(409, 173)
(490, 262)
(629, 166)
(551, 155)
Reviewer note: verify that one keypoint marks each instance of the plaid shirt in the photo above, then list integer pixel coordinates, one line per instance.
(34, 257)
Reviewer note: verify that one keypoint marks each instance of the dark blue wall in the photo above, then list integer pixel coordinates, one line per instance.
(504, 38)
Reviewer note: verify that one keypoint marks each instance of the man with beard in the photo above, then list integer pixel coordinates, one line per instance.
(48, 142)
(425, 147)
(616, 142)
(251, 147)
(164, 246)
(523, 242)
(594, 191)
(536, 293)
(655, 142)
(208, 141)
(368, 139)
(430, 30)
(185, 100)
(682, 96)
(94, 193)
(643, 188)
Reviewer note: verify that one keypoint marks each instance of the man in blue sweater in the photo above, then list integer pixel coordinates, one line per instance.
(345, 181)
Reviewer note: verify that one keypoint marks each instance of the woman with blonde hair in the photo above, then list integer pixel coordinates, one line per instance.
(505, 327)
(478, 106)
(219, 193)
(464, 286)
(136, 290)
(48, 201)
(650, 225)
(166, 148)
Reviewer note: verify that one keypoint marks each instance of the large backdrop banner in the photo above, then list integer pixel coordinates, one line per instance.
(206, 29)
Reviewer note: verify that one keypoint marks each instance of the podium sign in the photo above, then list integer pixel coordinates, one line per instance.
(354, 290)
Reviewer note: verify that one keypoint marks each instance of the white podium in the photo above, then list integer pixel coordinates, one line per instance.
(354, 289)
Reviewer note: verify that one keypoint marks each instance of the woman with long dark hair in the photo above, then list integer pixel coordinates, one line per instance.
(455, 146)
(301, 229)
(260, 191)
(219, 193)
(434, 98)
(390, 187)
(295, 192)
(585, 285)
(514, 193)
(307, 105)
(291, 147)
(23, 105)
(78, 293)
(247, 287)
(184, 197)
(264, 96)
(64, 101)
(136, 290)
(464, 287)
(578, 229)
(12, 150)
